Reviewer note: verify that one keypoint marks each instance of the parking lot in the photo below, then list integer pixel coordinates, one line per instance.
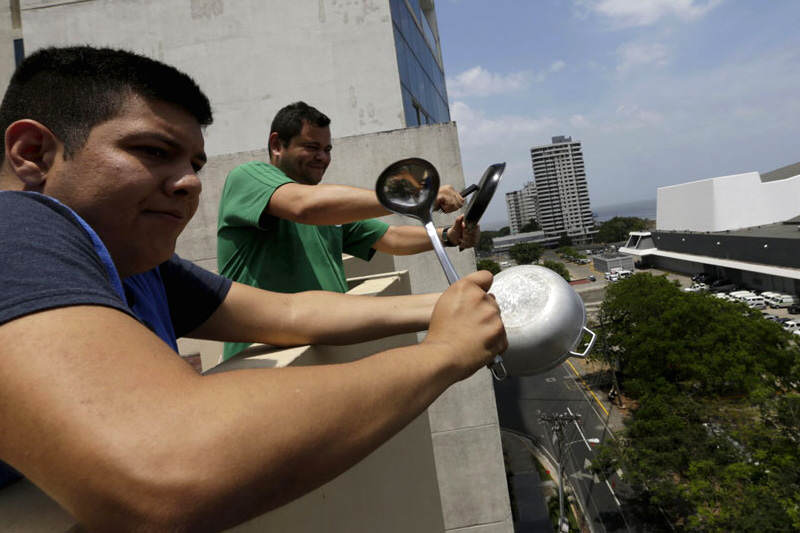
(592, 293)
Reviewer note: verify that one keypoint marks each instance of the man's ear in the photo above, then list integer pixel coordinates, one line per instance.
(274, 146)
(31, 150)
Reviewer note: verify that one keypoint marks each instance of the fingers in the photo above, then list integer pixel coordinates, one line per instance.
(448, 199)
(481, 278)
(470, 235)
(467, 307)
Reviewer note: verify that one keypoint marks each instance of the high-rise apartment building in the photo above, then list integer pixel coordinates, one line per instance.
(563, 196)
(522, 207)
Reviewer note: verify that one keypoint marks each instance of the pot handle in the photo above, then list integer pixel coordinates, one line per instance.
(498, 369)
(588, 346)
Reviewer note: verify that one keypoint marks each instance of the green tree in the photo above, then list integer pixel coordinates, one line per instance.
(525, 253)
(485, 241)
(711, 442)
(617, 229)
(488, 264)
(659, 333)
(532, 225)
(557, 267)
(569, 251)
(504, 231)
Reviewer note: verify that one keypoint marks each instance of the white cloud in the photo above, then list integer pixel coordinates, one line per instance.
(557, 66)
(633, 55)
(628, 13)
(478, 81)
(579, 122)
(634, 117)
(475, 129)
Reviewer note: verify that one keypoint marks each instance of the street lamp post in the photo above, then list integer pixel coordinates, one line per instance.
(557, 423)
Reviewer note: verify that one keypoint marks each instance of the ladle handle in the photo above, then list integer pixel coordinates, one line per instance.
(449, 271)
(497, 368)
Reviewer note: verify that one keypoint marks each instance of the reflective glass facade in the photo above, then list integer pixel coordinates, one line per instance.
(421, 76)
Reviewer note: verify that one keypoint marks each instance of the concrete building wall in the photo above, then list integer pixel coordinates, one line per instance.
(10, 29)
(605, 264)
(338, 56)
(727, 203)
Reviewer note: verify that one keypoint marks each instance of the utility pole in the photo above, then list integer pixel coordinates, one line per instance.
(557, 422)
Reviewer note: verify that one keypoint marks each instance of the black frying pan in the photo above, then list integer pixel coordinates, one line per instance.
(483, 193)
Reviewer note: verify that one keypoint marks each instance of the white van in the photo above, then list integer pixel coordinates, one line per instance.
(791, 325)
(754, 302)
(741, 295)
(769, 295)
(624, 273)
(783, 300)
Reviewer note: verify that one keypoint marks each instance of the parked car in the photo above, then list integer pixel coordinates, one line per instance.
(794, 309)
(592, 278)
(791, 325)
(701, 277)
(769, 316)
(755, 302)
(783, 300)
(696, 287)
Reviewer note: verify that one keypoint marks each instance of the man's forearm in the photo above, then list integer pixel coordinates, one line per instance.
(314, 317)
(407, 240)
(324, 204)
(338, 415)
(116, 436)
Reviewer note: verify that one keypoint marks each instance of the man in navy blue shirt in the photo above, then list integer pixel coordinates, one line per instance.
(98, 179)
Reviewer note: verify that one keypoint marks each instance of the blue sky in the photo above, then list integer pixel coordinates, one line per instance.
(658, 91)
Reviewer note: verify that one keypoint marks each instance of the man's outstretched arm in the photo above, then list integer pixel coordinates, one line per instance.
(339, 204)
(407, 240)
(249, 314)
(109, 422)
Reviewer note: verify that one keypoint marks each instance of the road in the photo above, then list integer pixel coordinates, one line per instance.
(521, 401)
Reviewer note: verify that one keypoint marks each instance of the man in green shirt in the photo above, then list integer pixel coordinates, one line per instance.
(279, 230)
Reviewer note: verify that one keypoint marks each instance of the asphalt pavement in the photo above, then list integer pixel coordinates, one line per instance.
(573, 387)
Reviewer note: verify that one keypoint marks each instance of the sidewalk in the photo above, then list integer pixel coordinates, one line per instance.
(596, 381)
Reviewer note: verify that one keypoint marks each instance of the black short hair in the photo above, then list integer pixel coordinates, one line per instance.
(289, 121)
(72, 89)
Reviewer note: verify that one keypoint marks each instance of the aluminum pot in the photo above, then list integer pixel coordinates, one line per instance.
(544, 319)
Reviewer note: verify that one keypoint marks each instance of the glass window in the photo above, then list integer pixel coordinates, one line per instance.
(420, 73)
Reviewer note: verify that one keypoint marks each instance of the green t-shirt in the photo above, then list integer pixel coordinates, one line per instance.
(276, 254)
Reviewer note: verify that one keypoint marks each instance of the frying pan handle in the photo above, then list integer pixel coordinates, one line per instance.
(469, 190)
(588, 346)
(466, 192)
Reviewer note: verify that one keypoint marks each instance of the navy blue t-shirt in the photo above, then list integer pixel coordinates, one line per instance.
(50, 257)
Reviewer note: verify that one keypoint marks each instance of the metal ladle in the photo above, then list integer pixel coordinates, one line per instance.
(409, 187)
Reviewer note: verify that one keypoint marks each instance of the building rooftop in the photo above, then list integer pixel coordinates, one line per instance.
(789, 229)
(789, 171)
